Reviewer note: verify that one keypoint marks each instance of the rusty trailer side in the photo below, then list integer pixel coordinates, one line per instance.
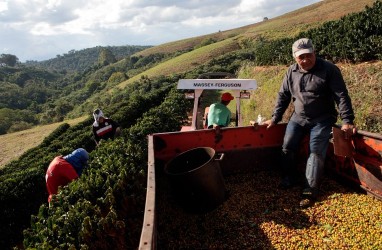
(247, 148)
(364, 168)
(240, 145)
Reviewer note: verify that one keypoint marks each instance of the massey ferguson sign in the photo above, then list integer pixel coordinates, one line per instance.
(246, 84)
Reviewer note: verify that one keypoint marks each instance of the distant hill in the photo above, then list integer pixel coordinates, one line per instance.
(79, 60)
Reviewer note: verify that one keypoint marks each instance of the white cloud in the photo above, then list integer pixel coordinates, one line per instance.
(3, 6)
(41, 29)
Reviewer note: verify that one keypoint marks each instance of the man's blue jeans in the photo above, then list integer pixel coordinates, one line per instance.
(319, 134)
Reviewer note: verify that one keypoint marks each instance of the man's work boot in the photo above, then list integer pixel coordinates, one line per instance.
(309, 196)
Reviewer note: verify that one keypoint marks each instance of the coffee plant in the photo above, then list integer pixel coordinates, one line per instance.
(356, 37)
(22, 182)
(104, 208)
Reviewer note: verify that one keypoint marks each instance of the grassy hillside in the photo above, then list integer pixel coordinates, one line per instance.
(292, 23)
(186, 61)
(286, 25)
(15, 144)
(363, 82)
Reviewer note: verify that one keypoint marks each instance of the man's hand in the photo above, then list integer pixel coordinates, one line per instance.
(349, 130)
(270, 123)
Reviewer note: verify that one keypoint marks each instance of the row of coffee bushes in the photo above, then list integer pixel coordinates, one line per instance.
(104, 208)
(353, 38)
(22, 182)
(356, 37)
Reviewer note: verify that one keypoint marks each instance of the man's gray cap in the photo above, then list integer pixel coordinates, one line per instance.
(302, 46)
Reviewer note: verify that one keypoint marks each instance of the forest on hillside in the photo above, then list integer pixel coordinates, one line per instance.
(35, 93)
(80, 60)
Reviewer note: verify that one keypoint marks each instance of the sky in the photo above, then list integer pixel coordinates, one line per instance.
(42, 29)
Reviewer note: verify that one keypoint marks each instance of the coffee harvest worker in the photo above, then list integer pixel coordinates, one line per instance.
(218, 113)
(314, 86)
(103, 127)
(64, 169)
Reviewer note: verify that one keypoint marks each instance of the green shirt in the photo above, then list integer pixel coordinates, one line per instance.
(219, 114)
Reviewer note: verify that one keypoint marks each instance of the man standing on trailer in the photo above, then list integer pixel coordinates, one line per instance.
(314, 86)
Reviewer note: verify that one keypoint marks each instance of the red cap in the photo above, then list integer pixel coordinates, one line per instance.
(227, 97)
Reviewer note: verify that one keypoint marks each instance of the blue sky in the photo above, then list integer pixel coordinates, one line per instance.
(42, 29)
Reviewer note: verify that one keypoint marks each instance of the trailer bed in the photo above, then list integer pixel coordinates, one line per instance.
(256, 213)
(259, 216)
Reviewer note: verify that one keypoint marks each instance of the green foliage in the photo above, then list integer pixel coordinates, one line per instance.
(106, 57)
(8, 60)
(273, 52)
(19, 126)
(10, 96)
(47, 89)
(78, 61)
(117, 77)
(354, 38)
(147, 61)
(23, 86)
(11, 118)
(166, 117)
(205, 42)
(229, 62)
(103, 208)
(55, 134)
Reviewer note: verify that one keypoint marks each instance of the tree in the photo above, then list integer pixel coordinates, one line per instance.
(106, 57)
(8, 60)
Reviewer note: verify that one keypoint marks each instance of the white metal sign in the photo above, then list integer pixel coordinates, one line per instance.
(247, 84)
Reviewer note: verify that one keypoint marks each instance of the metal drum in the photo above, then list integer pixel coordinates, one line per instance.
(196, 179)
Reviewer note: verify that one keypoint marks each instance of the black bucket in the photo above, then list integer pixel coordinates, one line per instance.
(196, 179)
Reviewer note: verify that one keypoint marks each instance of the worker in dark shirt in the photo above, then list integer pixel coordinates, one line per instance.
(314, 86)
(103, 127)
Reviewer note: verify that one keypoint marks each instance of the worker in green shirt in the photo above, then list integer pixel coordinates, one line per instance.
(218, 113)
